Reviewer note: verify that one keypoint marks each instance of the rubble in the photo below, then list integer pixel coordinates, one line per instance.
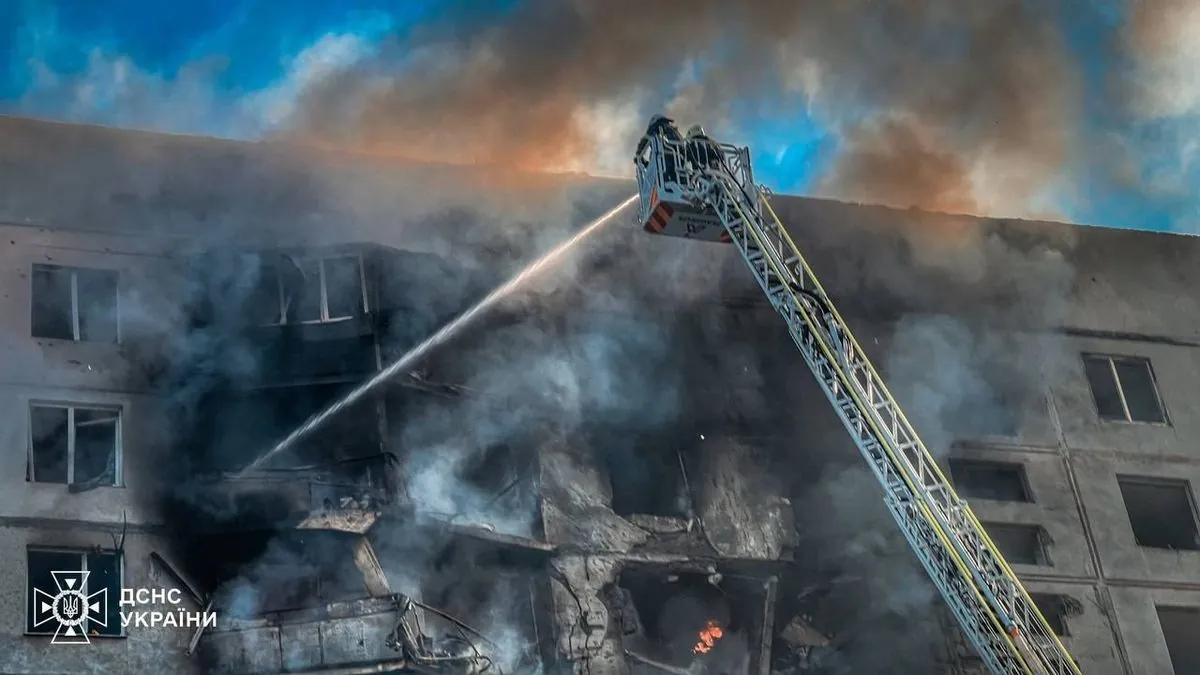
(353, 520)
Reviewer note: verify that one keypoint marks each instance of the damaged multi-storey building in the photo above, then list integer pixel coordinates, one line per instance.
(624, 468)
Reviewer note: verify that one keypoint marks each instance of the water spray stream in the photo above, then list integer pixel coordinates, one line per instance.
(443, 334)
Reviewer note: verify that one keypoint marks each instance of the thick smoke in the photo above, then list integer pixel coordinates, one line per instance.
(988, 109)
(1003, 109)
(939, 106)
(1160, 36)
(534, 381)
(579, 344)
(980, 365)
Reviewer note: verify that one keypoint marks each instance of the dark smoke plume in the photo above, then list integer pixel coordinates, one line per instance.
(965, 89)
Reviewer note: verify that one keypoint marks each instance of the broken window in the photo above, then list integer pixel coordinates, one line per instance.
(74, 304)
(649, 482)
(1180, 626)
(74, 445)
(1124, 389)
(1160, 512)
(1054, 608)
(999, 481)
(342, 288)
(1020, 544)
(500, 478)
(104, 573)
(311, 290)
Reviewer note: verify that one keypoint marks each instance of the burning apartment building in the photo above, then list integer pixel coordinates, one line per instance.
(624, 469)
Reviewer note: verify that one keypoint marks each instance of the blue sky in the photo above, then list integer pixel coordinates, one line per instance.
(203, 62)
(257, 39)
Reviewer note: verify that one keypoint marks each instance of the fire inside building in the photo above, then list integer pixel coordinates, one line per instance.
(626, 468)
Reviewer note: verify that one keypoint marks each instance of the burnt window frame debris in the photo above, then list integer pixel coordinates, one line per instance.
(283, 302)
(74, 309)
(114, 590)
(1112, 360)
(71, 408)
(1163, 483)
(1042, 552)
(961, 487)
(1159, 610)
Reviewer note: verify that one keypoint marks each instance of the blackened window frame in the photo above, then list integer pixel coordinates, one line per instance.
(965, 463)
(1051, 606)
(1041, 552)
(1112, 360)
(1183, 485)
(1174, 653)
(74, 310)
(283, 303)
(71, 408)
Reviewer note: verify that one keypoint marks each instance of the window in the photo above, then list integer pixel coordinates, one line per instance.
(999, 481)
(74, 304)
(1020, 544)
(48, 571)
(1160, 512)
(645, 471)
(315, 290)
(74, 445)
(1123, 388)
(1055, 609)
(1180, 626)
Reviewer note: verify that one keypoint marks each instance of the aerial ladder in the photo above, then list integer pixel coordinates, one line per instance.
(700, 189)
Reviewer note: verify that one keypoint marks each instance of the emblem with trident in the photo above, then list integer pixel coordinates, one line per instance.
(71, 607)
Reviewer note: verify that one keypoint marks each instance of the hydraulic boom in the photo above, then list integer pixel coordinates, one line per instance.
(708, 193)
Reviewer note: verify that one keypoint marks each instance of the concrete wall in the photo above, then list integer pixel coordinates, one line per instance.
(63, 371)
(1077, 500)
(48, 515)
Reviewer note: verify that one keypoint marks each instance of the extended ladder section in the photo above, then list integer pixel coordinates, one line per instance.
(993, 608)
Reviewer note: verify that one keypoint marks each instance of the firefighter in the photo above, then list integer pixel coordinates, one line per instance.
(702, 151)
(663, 126)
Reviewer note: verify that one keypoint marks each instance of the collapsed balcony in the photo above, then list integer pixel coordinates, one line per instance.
(365, 636)
(316, 572)
(346, 495)
(480, 612)
(297, 534)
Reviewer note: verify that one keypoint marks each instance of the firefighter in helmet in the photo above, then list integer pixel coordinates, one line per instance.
(663, 127)
(702, 151)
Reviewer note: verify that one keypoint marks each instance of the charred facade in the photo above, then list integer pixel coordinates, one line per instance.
(626, 469)
(512, 534)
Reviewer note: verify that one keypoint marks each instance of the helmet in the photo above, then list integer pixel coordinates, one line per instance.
(695, 130)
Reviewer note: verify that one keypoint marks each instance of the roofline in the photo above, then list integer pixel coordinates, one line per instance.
(298, 144)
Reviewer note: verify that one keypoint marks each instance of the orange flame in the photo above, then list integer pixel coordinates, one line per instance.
(708, 637)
